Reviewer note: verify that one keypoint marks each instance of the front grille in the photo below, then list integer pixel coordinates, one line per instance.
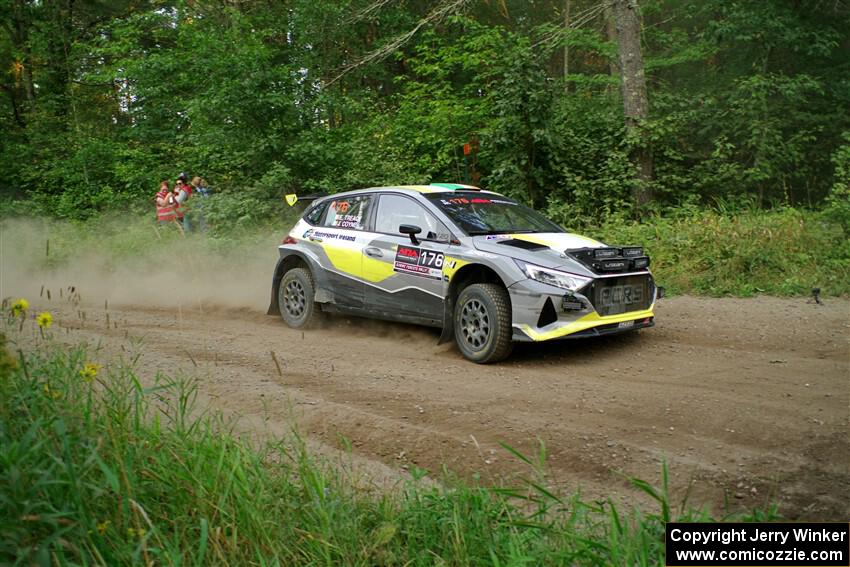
(612, 296)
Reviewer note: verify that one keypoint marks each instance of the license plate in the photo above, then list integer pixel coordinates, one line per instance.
(621, 295)
(626, 324)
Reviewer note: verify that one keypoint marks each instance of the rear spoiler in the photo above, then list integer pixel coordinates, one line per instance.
(291, 198)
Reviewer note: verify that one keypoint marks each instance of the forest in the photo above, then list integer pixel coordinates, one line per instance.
(745, 103)
(151, 413)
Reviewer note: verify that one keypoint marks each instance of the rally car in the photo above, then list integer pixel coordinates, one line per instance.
(486, 269)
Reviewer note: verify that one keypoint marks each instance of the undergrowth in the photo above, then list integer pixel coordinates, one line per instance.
(99, 467)
(721, 251)
(736, 252)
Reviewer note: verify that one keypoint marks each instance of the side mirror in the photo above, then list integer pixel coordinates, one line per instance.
(410, 230)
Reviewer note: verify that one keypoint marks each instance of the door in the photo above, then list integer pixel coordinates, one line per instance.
(403, 279)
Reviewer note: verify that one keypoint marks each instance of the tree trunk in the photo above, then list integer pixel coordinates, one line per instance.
(611, 35)
(635, 102)
(19, 33)
(567, 6)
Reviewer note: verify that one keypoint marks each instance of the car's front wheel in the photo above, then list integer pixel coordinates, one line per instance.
(295, 298)
(482, 323)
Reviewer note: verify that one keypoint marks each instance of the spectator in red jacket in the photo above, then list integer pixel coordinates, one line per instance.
(165, 205)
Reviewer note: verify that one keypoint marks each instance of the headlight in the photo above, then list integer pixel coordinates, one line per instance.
(556, 278)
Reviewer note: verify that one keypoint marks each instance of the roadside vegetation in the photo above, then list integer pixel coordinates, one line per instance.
(735, 174)
(725, 251)
(745, 101)
(100, 464)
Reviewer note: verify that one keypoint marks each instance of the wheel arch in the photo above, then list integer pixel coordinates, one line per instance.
(284, 264)
(465, 276)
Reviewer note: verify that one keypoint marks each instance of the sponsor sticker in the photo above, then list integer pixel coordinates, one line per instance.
(419, 262)
(313, 233)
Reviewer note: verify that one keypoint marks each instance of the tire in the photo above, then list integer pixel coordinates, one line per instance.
(482, 323)
(295, 299)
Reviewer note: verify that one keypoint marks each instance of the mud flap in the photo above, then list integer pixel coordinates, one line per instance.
(274, 308)
(448, 325)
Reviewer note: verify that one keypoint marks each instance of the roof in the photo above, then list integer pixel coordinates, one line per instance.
(421, 189)
(432, 188)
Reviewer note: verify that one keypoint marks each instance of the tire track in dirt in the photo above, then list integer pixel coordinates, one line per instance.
(746, 399)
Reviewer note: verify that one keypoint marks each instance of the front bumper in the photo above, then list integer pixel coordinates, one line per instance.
(534, 320)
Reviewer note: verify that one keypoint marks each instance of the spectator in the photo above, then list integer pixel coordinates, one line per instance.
(202, 190)
(165, 205)
(182, 194)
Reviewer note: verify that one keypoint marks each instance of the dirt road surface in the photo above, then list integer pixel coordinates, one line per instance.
(746, 400)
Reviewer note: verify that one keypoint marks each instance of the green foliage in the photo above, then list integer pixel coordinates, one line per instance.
(103, 100)
(739, 251)
(102, 467)
(838, 202)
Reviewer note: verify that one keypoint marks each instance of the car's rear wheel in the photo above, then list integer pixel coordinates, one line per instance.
(295, 298)
(482, 323)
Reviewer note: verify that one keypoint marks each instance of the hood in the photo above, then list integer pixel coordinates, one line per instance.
(545, 249)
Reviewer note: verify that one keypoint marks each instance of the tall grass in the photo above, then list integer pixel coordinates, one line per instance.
(98, 468)
(739, 252)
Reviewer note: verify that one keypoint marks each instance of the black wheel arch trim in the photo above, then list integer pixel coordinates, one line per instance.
(290, 259)
(463, 277)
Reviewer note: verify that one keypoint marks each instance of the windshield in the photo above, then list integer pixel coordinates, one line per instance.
(486, 213)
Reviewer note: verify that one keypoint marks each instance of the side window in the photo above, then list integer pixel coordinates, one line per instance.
(314, 215)
(395, 210)
(348, 212)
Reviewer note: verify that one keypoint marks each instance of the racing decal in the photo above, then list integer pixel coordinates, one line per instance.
(475, 201)
(498, 237)
(332, 235)
(419, 262)
(451, 266)
(347, 221)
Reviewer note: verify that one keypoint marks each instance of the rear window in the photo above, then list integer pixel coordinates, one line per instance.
(347, 212)
(314, 214)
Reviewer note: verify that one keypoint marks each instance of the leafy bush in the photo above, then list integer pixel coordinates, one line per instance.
(838, 203)
(737, 252)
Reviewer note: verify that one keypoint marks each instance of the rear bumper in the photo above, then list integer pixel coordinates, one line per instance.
(534, 320)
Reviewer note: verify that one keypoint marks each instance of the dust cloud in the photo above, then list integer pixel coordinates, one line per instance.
(135, 264)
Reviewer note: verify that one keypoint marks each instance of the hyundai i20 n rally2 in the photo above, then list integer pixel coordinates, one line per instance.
(486, 269)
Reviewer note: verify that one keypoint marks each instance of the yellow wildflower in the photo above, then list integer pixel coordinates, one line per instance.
(89, 371)
(136, 532)
(20, 307)
(102, 526)
(55, 394)
(44, 319)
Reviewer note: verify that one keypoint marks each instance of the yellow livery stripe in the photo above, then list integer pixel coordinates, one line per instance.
(354, 263)
(451, 266)
(587, 322)
(553, 243)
